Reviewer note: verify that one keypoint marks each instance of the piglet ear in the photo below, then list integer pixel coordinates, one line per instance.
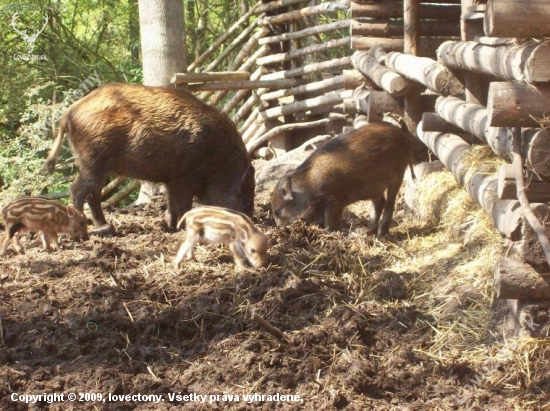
(285, 188)
(71, 211)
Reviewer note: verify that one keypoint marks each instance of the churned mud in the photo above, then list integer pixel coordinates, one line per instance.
(112, 316)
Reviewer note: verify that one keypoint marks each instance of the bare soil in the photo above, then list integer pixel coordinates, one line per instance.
(111, 315)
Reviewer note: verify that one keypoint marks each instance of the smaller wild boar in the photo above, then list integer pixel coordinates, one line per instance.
(38, 214)
(222, 225)
(361, 165)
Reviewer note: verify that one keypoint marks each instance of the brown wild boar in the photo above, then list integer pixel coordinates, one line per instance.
(221, 225)
(38, 214)
(361, 165)
(160, 135)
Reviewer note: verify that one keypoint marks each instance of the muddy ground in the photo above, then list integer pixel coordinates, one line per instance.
(112, 316)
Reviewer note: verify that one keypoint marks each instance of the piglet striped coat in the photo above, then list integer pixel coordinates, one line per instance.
(222, 225)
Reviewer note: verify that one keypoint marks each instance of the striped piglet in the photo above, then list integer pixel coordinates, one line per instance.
(38, 214)
(222, 225)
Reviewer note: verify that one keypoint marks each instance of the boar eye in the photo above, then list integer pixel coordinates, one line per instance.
(253, 251)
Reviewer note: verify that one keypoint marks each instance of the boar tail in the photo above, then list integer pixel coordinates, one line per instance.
(412, 171)
(57, 144)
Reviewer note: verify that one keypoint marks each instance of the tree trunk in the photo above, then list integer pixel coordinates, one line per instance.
(162, 28)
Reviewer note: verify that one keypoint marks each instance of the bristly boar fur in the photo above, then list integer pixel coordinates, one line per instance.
(160, 135)
(39, 214)
(361, 165)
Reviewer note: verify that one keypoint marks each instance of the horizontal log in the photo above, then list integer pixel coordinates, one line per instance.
(329, 84)
(374, 104)
(425, 71)
(240, 85)
(427, 44)
(366, 43)
(538, 151)
(186, 78)
(336, 64)
(394, 9)
(304, 105)
(274, 5)
(513, 104)
(394, 28)
(519, 281)
(537, 191)
(383, 77)
(473, 119)
(253, 145)
(528, 61)
(299, 53)
(434, 122)
(310, 31)
(323, 8)
(452, 151)
(353, 78)
(517, 18)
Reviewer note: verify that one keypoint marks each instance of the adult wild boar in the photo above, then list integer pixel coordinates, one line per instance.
(361, 165)
(160, 135)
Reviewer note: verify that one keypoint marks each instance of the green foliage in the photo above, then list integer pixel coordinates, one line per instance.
(82, 38)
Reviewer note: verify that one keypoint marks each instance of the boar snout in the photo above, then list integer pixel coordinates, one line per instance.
(256, 250)
(290, 203)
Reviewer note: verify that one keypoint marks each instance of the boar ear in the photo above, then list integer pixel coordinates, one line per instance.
(71, 211)
(248, 172)
(285, 188)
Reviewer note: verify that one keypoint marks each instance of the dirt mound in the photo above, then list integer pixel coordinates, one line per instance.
(112, 316)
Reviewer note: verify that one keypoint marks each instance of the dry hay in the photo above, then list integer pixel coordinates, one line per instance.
(400, 324)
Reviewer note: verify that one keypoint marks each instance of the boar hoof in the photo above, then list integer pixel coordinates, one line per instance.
(106, 230)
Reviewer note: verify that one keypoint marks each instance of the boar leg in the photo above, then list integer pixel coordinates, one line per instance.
(384, 227)
(88, 188)
(180, 200)
(333, 217)
(376, 212)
